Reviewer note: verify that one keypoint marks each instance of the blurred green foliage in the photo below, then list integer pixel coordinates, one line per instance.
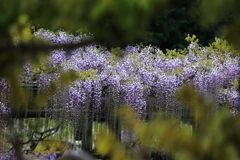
(118, 22)
(212, 136)
(217, 10)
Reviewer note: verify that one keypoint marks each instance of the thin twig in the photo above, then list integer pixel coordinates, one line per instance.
(134, 144)
(40, 136)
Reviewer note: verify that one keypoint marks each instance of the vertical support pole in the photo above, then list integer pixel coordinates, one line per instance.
(87, 136)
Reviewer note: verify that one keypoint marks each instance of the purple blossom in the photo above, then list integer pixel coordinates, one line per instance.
(132, 49)
(57, 57)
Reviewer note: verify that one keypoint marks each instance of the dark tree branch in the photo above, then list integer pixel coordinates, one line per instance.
(40, 136)
(46, 113)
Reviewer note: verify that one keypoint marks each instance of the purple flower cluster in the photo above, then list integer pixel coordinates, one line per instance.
(49, 156)
(4, 113)
(61, 38)
(142, 72)
(4, 100)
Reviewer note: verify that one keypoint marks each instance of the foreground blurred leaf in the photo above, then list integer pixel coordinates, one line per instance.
(108, 145)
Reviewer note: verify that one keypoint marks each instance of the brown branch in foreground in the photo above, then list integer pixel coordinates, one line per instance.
(42, 47)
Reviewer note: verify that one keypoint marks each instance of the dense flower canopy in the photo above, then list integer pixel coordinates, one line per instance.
(143, 73)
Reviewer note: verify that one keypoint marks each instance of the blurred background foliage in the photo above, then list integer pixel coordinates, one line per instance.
(120, 22)
(117, 23)
(169, 30)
